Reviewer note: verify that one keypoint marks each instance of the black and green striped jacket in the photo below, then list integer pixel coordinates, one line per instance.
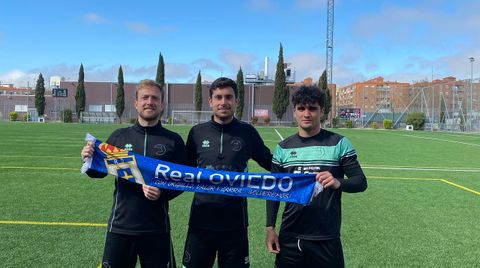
(326, 151)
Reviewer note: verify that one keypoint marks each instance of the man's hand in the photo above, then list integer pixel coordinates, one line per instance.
(87, 150)
(273, 246)
(327, 180)
(150, 192)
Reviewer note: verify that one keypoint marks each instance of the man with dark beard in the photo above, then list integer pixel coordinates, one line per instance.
(218, 223)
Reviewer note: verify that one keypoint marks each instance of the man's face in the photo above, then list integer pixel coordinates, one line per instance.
(223, 104)
(149, 103)
(308, 116)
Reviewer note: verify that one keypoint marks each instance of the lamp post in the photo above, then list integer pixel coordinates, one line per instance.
(470, 113)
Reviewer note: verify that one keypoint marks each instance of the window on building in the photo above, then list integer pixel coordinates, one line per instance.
(95, 108)
(21, 108)
(110, 108)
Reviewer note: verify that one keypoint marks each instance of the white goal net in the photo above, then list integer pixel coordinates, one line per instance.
(190, 117)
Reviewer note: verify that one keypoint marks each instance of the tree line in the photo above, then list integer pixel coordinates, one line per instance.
(280, 97)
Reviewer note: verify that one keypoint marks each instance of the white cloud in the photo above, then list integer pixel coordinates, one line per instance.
(419, 25)
(94, 18)
(344, 75)
(392, 23)
(19, 78)
(205, 64)
(234, 60)
(407, 42)
(306, 64)
(97, 73)
(178, 72)
(458, 64)
(407, 77)
(138, 27)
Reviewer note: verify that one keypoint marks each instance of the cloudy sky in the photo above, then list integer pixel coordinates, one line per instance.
(403, 40)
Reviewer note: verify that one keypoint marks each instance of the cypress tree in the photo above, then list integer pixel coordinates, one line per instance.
(241, 94)
(281, 94)
(160, 79)
(198, 95)
(120, 101)
(80, 94)
(323, 85)
(40, 95)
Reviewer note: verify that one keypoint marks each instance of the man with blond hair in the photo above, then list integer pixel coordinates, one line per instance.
(139, 224)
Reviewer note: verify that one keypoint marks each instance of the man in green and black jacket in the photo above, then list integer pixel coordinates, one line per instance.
(310, 235)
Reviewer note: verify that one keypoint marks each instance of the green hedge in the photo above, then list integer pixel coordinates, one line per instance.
(335, 122)
(387, 123)
(417, 119)
(13, 116)
(66, 116)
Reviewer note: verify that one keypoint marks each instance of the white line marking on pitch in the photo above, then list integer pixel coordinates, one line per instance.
(429, 179)
(436, 139)
(422, 169)
(38, 156)
(80, 224)
(280, 135)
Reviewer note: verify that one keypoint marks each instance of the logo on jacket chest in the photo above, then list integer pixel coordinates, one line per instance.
(160, 149)
(237, 144)
(128, 147)
(205, 144)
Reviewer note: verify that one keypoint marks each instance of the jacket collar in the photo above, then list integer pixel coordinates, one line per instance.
(223, 126)
(151, 129)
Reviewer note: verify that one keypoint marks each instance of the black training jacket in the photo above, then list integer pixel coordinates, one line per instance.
(223, 147)
(132, 212)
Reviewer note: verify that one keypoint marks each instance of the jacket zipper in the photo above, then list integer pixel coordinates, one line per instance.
(221, 142)
(220, 155)
(145, 144)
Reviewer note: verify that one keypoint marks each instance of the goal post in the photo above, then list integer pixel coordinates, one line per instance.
(190, 117)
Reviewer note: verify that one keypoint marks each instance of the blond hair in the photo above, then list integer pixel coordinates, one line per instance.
(148, 83)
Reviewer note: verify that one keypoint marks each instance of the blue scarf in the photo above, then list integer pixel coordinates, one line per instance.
(107, 159)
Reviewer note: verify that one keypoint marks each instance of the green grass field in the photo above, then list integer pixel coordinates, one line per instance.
(421, 209)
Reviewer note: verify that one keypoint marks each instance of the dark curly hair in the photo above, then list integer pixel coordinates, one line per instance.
(308, 95)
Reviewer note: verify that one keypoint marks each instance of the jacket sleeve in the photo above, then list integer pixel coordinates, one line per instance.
(272, 207)
(356, 180)
(191, 150)
(261, 153)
